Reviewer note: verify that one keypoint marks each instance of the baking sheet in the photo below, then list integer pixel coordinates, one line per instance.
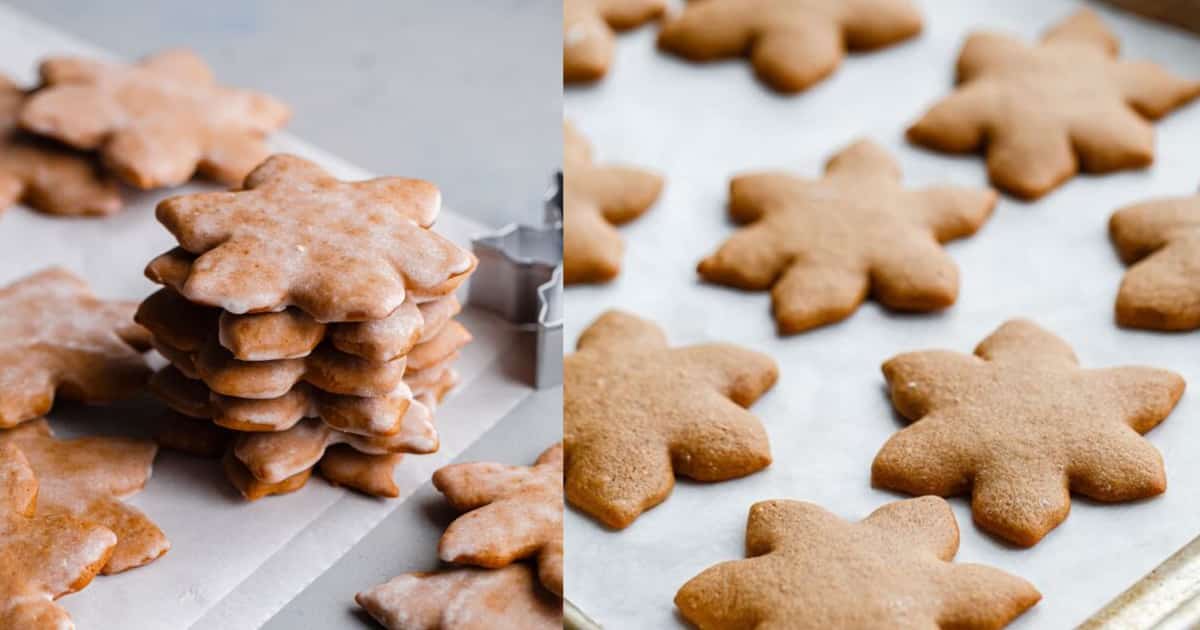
(828, 415)
(232, 564)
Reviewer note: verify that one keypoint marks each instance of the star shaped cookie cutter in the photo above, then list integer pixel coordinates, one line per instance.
(520, 278)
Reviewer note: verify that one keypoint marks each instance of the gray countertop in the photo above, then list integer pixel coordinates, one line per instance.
(464, 93)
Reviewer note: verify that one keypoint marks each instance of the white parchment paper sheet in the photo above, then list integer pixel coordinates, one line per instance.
(232, 564)
(827, 417)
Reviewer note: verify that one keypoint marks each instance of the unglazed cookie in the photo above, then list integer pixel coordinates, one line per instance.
(48, 178)
(512, 512)
(1042, 113)
(597, 197)
(822, 246)
(1160, 239)
(792, 43)
(1020, 425)
(464, 599)
(156, 122)
(56, 337)
(637, 412)
(86, 478)
(588, 37)
(808, 568)
(296, 236)
(44, 555)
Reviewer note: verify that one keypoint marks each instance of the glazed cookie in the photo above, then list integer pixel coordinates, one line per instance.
(1160, 239)
(807, 568)
(1042, 113)
(588, 38)
(156, 122)
(822, 246)
(45, 554)
(45, 177)
(56, 337)
(636, 412)
(464, 599)
(792, 43)
(1019, 426)
(295, 236)
(86, 478)
(369, 474)
(512, 512)
(596, 198)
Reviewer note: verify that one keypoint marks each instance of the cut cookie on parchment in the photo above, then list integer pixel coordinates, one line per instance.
(809, 569)
(296, 236)
(464, 599)
(597, 197)
(637, 412)
(1019, 426)
(86, 478)
(823, 246)
(512, 512)
(1160, 240)
(44, 554)
(588, 36)
(792, 43)
(1042, 113)
(58, 338)
(48, 178)
(156, 123)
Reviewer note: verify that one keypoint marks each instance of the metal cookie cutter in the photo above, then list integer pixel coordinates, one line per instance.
(520, 278)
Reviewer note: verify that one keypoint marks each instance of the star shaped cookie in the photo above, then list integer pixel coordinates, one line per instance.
(637, 412)
(1160, 239)
(807, 568)
(157, 122)
(296, 236)
(48, 178)
(1042, 113)
(588, 36)
(822, 246)
(792, 43)
(512, 512)
(45, 554)
(55, 336)
(1019, 426)
(464, 599)
(86, 478)
(596, 198)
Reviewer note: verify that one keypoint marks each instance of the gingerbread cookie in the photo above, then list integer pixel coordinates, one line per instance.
(253, 489)
(596, 198)
(157, 122)
(87, 478)
(588, 37)
(1042, 113)
(807, 568)
(275, 456)
(56, 337)
(512, 512)
(373, 416)
(45, 554)
(185, 434)
(792, 43)
(637, 412)
(1019, 426)
(464, 599)
(288, 334)
(822, 246)
(369, 474)
(296, 236)
(1160, 239)
(46, 177)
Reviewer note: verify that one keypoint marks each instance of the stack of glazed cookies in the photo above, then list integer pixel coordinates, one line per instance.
(310, 321)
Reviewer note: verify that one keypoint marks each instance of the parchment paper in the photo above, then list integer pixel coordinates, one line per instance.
(232, 564)
(828, 415)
